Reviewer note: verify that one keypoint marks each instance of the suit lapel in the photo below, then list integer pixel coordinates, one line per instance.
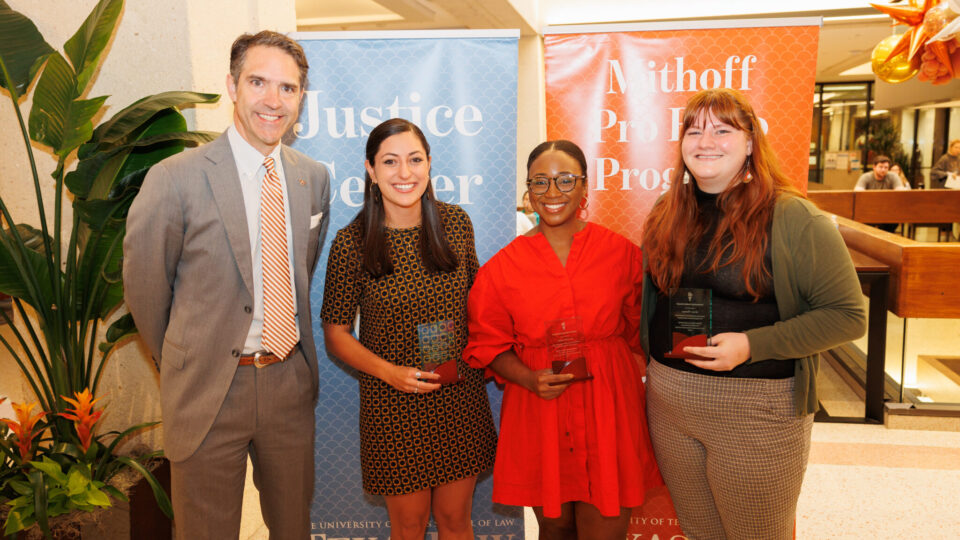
(225, 184)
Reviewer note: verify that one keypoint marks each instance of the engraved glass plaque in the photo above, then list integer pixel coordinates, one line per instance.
(565, 340)
(691, 321)
(438, 351)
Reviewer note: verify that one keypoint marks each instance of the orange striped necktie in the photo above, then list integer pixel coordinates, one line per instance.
(279, 325)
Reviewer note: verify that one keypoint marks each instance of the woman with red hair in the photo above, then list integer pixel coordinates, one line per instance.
(730, 421)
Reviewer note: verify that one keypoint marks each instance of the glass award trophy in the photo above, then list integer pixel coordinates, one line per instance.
(691, 321)
(438, 351)
(565, 341)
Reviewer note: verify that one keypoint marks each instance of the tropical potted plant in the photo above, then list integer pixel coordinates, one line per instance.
(64, 285)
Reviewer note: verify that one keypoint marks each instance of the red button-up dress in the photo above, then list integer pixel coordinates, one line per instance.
(590, 444)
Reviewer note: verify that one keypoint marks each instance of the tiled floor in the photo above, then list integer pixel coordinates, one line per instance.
(867, 481)
(862, 482)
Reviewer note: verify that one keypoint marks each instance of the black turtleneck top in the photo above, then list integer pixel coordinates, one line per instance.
(733, 309)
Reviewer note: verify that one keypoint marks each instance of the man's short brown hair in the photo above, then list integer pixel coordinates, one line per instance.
(881, 159)
(267, 38)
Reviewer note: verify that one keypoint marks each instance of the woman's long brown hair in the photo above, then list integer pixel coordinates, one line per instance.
(435, 249)
(746, 206)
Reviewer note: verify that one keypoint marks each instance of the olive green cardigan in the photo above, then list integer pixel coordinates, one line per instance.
(818, 296)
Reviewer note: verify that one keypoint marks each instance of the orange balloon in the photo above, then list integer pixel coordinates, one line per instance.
(897, 68)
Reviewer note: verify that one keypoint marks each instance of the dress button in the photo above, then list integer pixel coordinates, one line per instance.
(235, 353)
(247, 309)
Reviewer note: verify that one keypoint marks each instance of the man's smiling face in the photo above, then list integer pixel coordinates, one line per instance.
(266, 96)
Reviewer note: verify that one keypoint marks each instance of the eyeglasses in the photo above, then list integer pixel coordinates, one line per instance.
(538, 185)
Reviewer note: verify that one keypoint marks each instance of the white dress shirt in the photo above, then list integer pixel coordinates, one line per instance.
(250, 167)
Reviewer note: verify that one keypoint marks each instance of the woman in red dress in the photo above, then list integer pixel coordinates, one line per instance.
(578, 452)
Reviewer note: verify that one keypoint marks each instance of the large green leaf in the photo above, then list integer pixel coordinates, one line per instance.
(55, 91)
(22, 48)
(40, 500)
(165, 122)
(18, 519)
(78, 126)
(58, 119)
(12, 279)
(102, 244)
(108, 174)
(120, 329)
(106, 204)
(32, 238)
(163, 502)
(86, 46)
(107, 195)
(99, 213)
(129, 120)
(81, 180)
(101, 263)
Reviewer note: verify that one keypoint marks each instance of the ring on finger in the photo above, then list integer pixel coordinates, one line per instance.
(417, 374)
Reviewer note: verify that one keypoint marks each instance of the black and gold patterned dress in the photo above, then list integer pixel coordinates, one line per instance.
(409, 441)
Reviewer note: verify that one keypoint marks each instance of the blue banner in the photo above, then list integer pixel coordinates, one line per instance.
(461, 89)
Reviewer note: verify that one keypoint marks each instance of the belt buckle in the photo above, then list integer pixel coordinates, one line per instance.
(256, 361)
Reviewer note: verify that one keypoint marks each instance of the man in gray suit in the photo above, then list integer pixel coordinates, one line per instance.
(223, 302)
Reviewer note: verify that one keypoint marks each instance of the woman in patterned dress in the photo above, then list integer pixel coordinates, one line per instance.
(407, 262)
(577, 452)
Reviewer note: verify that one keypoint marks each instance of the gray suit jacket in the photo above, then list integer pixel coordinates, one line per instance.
(188, 278)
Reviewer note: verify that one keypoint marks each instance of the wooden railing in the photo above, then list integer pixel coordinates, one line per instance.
(887, 206)
(923, 276)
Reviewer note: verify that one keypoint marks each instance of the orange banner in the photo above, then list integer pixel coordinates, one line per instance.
(620, 96)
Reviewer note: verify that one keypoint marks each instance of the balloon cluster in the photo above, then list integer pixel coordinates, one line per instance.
(932, 24)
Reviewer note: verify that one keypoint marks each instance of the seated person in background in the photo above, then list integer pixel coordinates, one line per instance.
(895, 169)
(880, 178)
(948, 165)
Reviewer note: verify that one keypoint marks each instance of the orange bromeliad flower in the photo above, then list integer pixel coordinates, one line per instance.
(23, 428)
(83, 415)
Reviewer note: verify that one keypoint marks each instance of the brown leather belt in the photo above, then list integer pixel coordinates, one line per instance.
(260, 359)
